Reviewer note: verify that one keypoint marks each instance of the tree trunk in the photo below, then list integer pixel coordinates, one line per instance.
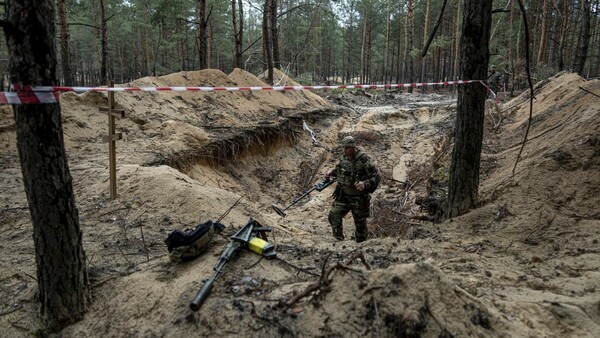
(425, 32)
(350, 69)
(572, 38)
(399, 61)
(209, 44)
(584, 38)
(410, 28)
(267, 40)
(238, 32)
(511, 56)
(369, 77)
(180, 30)
(553, 51)
(564, 14)
(457, 37)
(104, 45)
(275, 35)
(61, 271)
(468, 133)
(595, 66)
(363, 47)
(386, 51)
(64, 44)
(202, 39)
(541, 58)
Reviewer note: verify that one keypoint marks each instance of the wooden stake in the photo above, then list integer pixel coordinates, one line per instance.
(112, 148)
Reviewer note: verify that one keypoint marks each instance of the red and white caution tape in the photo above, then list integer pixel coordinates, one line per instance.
(28, 97)
(49, 94)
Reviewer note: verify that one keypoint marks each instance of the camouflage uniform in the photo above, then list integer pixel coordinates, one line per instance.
(493, 79)
(347, 198)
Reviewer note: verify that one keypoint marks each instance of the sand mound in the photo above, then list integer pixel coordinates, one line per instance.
(415, 300)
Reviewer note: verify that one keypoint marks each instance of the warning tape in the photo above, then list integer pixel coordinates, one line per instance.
(49, 94)
(28, 97)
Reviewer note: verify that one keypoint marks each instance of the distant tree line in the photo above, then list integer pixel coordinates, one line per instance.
(351, 41)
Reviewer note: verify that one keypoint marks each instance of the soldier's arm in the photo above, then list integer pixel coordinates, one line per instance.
(333, 172)
(372, 173)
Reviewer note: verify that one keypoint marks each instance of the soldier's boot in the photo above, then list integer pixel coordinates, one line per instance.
(360, 235)
(336, 227)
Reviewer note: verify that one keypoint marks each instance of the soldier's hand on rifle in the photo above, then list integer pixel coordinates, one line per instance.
(360, 186)
(329, 173)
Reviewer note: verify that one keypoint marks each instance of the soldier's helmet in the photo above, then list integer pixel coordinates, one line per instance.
(348, 141)
(493, 67)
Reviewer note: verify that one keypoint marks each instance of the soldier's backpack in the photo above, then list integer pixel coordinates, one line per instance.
(184, 246)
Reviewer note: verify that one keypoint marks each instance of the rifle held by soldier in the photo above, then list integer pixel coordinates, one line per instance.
(318, 187)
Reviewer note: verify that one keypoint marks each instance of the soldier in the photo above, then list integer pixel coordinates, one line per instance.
(494, 78)
(357, 178)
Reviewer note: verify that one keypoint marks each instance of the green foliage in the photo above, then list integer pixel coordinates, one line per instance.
(322, 38)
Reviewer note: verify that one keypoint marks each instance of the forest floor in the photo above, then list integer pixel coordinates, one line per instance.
(525, 263)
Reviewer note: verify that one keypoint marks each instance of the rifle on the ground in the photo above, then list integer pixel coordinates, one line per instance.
(318, 187)
(251, 236)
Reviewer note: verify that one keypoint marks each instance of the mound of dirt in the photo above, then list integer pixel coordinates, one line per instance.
(412, 300)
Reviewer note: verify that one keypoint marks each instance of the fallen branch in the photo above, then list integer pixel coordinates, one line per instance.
(325, 280)
(128, 261)
(587, 91)
(297, 268)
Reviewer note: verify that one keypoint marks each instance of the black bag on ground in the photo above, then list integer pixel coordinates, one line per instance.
(190, 244)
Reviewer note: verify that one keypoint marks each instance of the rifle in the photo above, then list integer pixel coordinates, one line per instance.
(318, 187)
(251, 236)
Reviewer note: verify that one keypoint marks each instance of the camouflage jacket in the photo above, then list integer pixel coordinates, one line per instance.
(352, 170)
(494, 78)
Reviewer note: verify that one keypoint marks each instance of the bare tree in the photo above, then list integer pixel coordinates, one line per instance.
(267, 31)
(275, 35)
(61, 270)
(64, 44)
(468, 133)
(584, 38)
(363, 48)
(350, 53)
(543, 38)
(410, 36)
(202, 35)
(104, 44)
(238, 31)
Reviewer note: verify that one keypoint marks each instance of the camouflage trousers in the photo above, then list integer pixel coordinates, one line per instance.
(359, 205)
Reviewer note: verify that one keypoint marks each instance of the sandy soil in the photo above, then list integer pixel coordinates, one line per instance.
(525, 263)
